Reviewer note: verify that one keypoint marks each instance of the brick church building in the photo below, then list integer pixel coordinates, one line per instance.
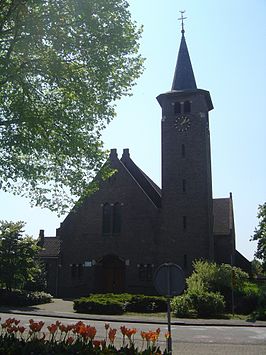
(115, 240)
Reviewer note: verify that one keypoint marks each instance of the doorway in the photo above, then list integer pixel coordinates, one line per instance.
(110, 275)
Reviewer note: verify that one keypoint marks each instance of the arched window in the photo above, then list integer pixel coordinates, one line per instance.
(106, 219)
(187, 106)
(177, 107)
(116, 218)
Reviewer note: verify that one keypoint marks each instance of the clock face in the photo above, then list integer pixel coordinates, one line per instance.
(182, 123)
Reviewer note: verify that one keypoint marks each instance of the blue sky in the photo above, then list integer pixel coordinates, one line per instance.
(226, 41)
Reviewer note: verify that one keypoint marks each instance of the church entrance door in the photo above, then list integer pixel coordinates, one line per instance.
(111, 274)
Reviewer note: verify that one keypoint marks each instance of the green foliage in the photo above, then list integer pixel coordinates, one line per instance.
(19, 259)
(256, 268)
(252, 298)
(23, 298)
(198, 303)
(209, 291)
(260, 236)
(119, 303)
(63, 65)
(182, 306)
(217, 278)
(146, 304)
(98, 304)
(207, 304)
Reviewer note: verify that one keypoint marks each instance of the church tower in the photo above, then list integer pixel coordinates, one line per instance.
(187, 217)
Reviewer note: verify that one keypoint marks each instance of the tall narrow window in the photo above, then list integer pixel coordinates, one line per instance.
(116, 218)
(149, 272)
(177, 107)
(183, 150)
(187, 106)
(80, 271)
(106, 219)
(184, 222)
(141, 272)
(73, 271)
(184, 185)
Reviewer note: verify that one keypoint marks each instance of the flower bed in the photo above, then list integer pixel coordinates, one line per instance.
(78, 338)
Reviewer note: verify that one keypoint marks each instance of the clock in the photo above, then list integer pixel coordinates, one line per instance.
(182, 123)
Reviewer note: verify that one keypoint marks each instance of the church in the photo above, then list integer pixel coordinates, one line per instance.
(120, 234)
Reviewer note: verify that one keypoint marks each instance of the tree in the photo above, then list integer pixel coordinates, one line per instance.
(19, 258)
(260, 235)
(63, 65)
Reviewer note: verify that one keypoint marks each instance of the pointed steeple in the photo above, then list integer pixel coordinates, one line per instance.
(184, 77)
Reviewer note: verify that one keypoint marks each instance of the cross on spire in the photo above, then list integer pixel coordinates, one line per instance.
(182, 18)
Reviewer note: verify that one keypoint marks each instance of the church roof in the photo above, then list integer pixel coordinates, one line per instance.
(184, 77)
(223, 216)
(149, 187)
(50, 247)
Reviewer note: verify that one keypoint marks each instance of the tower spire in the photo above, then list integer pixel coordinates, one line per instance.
(182, 18)
(184, 77)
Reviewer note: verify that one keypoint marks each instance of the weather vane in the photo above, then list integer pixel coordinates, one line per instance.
(182, 18)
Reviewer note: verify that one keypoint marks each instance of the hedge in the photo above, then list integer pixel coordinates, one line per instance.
(119, 303)
(23, 298)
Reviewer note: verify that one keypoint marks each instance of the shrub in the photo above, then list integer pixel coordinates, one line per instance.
(23, 298)
(207, 304)
(216, 278)
(119, 303)
(247, 299)
(261, 314)
(146, 304)
(181, 306)
(98, 305)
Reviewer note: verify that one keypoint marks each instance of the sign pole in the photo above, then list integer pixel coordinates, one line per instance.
(169, 338)
(169, 280)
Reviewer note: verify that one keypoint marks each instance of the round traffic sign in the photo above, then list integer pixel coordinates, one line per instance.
(169, 280)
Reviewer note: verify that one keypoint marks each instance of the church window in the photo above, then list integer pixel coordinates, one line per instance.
(73, 271)
(116, 218)
(184, 222)
(106, 218)
(145, 272)
(80, 271)
(111, 223)
(183, 150)
(149, 272)
(177, 107)
(187, 106)
(184, 185)
(142, 272)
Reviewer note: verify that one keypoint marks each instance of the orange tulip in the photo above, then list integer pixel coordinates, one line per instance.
(69, 340)
(111, 335)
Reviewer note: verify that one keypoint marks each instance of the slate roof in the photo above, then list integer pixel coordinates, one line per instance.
(51, 247)
(149, 187)
(184, 77)
(223, 216)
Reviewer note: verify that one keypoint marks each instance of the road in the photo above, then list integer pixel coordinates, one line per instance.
(198, 340)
